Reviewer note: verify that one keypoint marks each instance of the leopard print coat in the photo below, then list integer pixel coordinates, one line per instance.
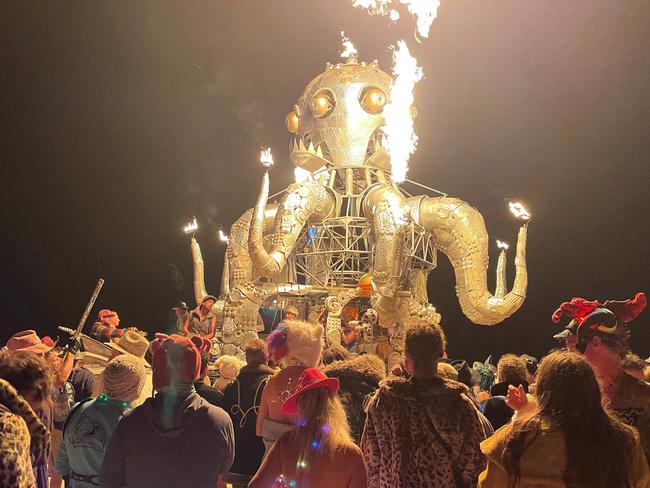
(422, 433)
(23, 437)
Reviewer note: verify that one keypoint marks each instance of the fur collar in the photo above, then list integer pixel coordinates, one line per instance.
(421, 388)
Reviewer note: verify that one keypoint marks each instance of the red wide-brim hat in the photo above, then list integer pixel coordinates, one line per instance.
(310, 379)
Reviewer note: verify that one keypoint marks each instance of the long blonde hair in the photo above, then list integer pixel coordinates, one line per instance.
(322, 427)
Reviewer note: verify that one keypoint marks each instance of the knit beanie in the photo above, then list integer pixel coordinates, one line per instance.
(124, 378)
(175, 360)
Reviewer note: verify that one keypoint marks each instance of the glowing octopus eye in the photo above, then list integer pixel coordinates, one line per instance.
(322, 104)
(293, 122)
(373, 99)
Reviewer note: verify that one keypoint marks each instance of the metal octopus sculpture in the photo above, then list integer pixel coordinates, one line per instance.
(349, 223)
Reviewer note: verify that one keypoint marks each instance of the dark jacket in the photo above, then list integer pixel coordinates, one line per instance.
(359, 378)
(495, 409)
(211, 395)
(170, 442)
(421, 433)
(241, 399)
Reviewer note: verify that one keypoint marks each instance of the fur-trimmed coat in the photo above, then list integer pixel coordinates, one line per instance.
(359, 378)
(22, 437)
(421, 433)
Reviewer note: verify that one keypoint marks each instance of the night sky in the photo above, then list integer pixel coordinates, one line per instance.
(119, 120)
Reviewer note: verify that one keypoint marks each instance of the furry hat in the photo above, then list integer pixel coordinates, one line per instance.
(296, 341)
(229, 366)
(175, 360)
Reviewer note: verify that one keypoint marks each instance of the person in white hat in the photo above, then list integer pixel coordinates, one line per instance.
(91, 423)
(135, 345)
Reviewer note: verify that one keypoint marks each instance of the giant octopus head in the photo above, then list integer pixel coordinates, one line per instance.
(337, 120)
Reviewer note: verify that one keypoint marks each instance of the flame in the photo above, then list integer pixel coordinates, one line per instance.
(191, 227)
(519, 211)
(503, 245)
(223, 237)
(348, 50)
(400, 140)
(301, 174)
(266, 158)
(425, 11)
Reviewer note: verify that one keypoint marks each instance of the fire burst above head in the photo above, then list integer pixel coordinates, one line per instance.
(425, 11)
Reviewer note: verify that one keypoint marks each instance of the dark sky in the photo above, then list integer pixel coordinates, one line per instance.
(120, 119)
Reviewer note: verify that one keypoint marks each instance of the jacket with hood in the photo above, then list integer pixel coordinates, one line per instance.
(170, 441)
(542, 464)
(422, 432)
(359, 378)
(241, 400)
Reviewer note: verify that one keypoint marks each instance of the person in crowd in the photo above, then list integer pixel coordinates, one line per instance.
(446, 370)
(62, 402)
(91, 423)
(487, 374)
(295, 346)
(242, 401)
(511, 370)
(228, 367)
(359, 378)
(602, 331)
(175, 438)
(422, 431)
(201, 321)
(25, 390)
(567, 438)
(51, 413)
(319, 452)
(135, 345)
(81, 379)
(634, 366)
(531, 368)
(335, 353)
(107, 326)
(202, 384)
(182, 315)
(290, 313)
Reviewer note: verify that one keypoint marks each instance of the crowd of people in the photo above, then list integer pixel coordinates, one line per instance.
(298, 414)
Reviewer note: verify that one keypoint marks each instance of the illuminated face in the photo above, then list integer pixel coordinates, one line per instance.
(337, 120)
(113, 320)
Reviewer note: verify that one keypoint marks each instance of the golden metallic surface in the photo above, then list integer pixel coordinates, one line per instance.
(292, 122)
(349, 231)
(348, 135)
(302, 202)
(199, 271)
(373, 100)
(322, 104)
(389, 213)
(501, 287)
(460, 233)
